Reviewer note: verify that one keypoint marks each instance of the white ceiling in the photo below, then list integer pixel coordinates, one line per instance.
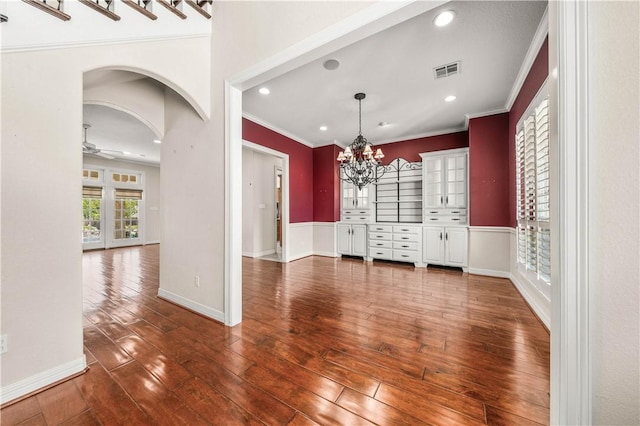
(116, 132)
(395, 70)
(393, 67)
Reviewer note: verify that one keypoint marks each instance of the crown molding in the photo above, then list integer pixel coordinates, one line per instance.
(468, 117)
(422, 135)
(89, 43)
(277, 129)
(530, 57)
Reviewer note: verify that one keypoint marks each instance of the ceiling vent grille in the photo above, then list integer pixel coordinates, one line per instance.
(446, 70)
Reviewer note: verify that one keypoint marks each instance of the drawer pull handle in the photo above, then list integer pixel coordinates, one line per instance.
(433, 218)
(455, 218)
(455, 212)
(435, 212)
(405, 238)
(404, 255)
(405, 246)
(378, 236)
(379, 254)
(405, 230)
(379, 244)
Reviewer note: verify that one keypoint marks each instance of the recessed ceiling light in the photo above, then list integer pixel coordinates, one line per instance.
(383, 124)
(323, 128)
(444, 18)
(157, 141)
(331, 64)
(264, 90)
(450, 98)
(126, 152)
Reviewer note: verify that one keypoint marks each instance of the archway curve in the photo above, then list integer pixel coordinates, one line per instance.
(197, 107)
(159, 133)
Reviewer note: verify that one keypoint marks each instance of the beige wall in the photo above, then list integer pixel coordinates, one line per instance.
(614, 213)
(41, 122)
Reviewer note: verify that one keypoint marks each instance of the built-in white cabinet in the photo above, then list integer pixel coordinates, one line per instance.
(352, 239)
(398, 192)
(445, 245)
(355, 205)
(398, 242)
(445, 186)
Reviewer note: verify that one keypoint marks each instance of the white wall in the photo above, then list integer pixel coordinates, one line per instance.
(489, 251)
(41, 165)
(140, 98)
(614, 164)
(258, 202)
(151, 231)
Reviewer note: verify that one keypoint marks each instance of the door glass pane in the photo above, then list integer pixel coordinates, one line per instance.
(127, 212)
(91, 213)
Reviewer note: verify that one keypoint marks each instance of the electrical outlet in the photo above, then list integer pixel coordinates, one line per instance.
(196, 280)
(3, 344)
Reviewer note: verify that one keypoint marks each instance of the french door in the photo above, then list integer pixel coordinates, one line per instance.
(112, 208)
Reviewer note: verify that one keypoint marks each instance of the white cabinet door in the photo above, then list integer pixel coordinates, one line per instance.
(456, 246)
(456, 181)
(433, 245)
(433, 182)
(348, 195)
(359, 240)
(344, 239)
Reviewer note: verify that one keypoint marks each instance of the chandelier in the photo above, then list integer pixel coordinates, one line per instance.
(358, 163)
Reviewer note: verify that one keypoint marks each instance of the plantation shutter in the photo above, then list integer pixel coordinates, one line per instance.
(520, 194)
(542, 190)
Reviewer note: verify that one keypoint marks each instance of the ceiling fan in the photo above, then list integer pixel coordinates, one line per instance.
(89, 148)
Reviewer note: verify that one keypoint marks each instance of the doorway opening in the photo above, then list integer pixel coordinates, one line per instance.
(265, 203)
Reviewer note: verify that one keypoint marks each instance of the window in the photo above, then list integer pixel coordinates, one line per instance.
(532, 191)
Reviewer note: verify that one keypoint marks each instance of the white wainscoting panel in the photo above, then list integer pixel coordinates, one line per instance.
(324, 239)
(490, 251)
(300, 240)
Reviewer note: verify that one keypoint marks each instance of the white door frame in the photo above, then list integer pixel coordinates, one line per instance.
(278, 175)
(570, 372)
(284, 209)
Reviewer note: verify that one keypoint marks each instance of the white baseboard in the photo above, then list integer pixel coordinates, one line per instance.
(539, 310)
(258, 254)
(41, 380)
(325, 253)
(190, 304)
(146, 243)
(300, 256)
(490, 273)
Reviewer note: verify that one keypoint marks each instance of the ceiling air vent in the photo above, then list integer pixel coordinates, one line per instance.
(446, 70)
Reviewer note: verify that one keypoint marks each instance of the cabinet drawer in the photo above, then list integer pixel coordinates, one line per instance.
(379, 236)
(445, 212)
(460, 220)
(406, 237)
(405, 245)
(355, 218)
(406, 256)
(374, 244)
(381, 253)
(404, 229)
(355, 212)
(380, 228)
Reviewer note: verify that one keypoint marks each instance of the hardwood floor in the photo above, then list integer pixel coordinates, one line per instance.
(323, 341)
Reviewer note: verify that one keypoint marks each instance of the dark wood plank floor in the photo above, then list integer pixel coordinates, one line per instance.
(323, 341)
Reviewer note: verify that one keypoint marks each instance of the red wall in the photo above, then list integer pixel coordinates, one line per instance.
(536, 77)
(410, 149)
(326, 184)
(300, 168)
(489, 180)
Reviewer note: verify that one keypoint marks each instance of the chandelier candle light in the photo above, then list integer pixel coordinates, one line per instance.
(358, 163)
